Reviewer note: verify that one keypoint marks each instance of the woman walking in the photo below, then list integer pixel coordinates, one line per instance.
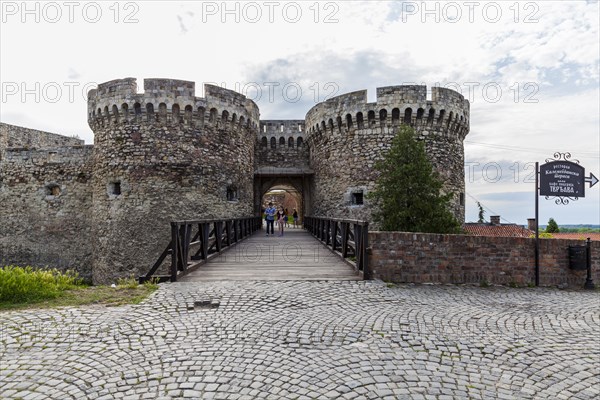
(281, 220)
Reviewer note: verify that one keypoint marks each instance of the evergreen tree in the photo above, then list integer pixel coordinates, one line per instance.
(407, 195)
(552, 226)
(481, 215)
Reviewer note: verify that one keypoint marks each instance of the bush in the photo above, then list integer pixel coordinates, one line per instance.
(552, 226)
(23, 285)
(543, 235)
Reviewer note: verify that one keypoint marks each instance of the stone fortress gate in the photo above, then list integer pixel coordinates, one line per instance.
(165, 154)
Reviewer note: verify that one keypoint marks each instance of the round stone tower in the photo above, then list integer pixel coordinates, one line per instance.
(346, 135)
(164, 155)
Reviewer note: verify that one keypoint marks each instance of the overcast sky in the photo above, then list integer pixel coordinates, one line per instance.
(530, 69)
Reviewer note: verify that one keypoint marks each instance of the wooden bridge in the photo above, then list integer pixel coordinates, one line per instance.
(210, 250)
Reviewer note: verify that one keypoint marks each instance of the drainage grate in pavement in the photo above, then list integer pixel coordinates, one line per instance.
(205, 303)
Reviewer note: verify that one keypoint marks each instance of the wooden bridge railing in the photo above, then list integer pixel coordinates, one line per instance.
(193, 243)
(347, 238)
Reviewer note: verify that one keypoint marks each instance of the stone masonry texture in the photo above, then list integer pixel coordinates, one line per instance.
(280, 144)
(347, 134)
(45, 197)
(174, 156)
(162, 154)
(12, 136)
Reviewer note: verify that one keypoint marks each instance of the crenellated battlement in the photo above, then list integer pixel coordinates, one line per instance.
(169, 88)
(352, 97)
(277, 127)
(169, 101)
(446, 112)
(116, 88)
(408, 93)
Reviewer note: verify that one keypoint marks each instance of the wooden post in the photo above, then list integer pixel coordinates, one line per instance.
(367, 274)
(174, 253)
(345, 233)
(334, 242)
(219, 234)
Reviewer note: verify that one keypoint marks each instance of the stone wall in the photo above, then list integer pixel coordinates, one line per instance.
(46, 199)
(164, 154)
(434, 258)
(12, 136)
(160, 156)
(280, 144)
(346, 135)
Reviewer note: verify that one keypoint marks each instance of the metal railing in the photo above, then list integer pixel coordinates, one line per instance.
(347, 238)
(193, 243)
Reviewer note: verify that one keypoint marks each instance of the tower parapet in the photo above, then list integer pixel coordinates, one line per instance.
(169, 101)
(446, 112)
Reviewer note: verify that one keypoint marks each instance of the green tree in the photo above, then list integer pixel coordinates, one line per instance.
(552, 226)
(481, 215)
(407, 194)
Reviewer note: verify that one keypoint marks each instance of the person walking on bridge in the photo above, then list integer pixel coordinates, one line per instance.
(270, 218)
(281, 218)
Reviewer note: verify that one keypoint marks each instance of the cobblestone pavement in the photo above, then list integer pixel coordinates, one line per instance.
(310, 340)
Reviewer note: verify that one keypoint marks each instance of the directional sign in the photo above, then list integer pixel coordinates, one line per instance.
(563, 179)
(592, 180)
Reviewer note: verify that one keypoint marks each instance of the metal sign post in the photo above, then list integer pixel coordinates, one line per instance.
(537, 225)
(565, 180)
(589, 283)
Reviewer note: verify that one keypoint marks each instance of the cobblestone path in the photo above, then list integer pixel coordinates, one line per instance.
(310, 340)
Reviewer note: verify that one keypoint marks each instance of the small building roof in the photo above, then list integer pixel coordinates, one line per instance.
(576, 235)
(502, 230)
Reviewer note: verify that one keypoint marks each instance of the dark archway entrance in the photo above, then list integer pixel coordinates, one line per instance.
(295, 181)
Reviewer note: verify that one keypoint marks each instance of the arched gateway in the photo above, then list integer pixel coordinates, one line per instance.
(282, 162)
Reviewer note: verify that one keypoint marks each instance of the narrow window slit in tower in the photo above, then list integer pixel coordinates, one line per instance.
(114, 188)
(357, 198)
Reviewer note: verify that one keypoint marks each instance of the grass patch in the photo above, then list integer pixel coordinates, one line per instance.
(127, 283)
(22, 285)
(24, 288)
(91, 295)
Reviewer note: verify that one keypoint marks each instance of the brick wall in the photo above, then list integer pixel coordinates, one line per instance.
(421, 258)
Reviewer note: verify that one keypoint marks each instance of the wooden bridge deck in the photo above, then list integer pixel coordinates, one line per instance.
(295, 256)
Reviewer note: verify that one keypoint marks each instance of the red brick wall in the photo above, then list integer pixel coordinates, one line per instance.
(421, 258)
